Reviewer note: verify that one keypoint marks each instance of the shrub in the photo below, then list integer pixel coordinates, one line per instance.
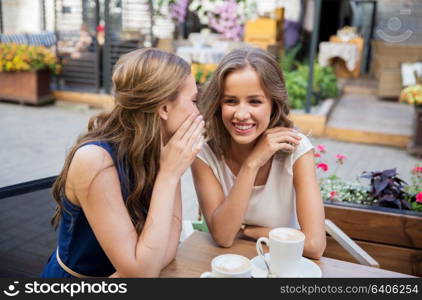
(388, 189)
(18, 57)
(325, 84)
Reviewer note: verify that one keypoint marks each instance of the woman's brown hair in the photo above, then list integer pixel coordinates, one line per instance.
(143, 80)
(272, 82)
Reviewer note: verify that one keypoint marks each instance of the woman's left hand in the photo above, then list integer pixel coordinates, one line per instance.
(255, 232)
(178, 154)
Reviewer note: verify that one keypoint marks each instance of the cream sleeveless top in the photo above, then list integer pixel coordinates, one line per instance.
(273, 204)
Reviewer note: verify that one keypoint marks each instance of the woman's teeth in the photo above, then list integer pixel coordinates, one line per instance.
(243, 127)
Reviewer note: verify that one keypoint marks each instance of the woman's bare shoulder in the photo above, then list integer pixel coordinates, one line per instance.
(88, 161)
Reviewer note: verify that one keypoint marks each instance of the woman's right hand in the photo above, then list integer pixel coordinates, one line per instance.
(271, 141)
(180, 151)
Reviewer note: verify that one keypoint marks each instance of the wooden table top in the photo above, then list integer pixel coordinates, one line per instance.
(195, 254)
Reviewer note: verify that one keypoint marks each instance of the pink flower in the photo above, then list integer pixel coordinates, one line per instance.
(416, 170)
(340, 158)
(317, 155)
(419, 197)
(323, 167)
(321, 148)
(333, 194)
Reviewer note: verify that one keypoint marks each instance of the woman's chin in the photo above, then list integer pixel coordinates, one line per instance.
(243, 139)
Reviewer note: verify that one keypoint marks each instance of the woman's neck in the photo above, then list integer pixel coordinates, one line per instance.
(165, 138)
(239, 152)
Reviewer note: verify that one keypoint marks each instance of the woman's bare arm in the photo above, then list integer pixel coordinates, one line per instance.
(176, 228)
(309, 205)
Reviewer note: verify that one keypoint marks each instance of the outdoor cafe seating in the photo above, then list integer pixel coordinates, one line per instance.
(194, 255)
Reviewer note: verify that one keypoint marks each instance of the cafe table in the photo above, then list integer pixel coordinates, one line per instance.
(196, 252)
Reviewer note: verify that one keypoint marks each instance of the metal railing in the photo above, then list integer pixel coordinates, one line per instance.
(1, 17)
(27, 187)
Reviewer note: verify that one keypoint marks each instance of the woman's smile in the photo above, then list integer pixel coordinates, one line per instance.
(243, 128)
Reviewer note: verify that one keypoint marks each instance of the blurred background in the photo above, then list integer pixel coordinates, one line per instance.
(353, 71)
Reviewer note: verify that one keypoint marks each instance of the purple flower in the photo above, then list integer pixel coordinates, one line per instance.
(178, 10)
(224, 20)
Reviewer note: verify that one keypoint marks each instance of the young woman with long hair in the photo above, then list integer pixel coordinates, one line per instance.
(118, 196)
(256, 172)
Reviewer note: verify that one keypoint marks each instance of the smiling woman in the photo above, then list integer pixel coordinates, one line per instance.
(256, 172)
(118, 195)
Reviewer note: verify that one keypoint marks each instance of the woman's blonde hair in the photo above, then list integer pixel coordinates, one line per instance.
(272, 82)
(143, 80)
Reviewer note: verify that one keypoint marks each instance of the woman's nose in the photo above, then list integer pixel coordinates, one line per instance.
(241, 112)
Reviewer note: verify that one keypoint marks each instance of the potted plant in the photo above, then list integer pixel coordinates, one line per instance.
(413, 95)
(322, 101)
(25, 73)
(325, 84)
(296, 75)
(383, 215)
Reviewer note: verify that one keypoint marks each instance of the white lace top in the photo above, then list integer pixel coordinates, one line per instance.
(273, 204)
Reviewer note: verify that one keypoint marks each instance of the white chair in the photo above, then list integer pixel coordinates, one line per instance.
(187, 230)
(349, 245)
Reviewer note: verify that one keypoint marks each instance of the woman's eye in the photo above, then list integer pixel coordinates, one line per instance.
(229, 101)
(256, 101)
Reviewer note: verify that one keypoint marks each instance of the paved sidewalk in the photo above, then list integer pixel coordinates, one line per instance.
(362, 157)
(34, 140)
(372, 115)
(27, 239)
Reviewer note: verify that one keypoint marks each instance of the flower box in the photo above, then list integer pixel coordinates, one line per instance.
(393, 237)
(25, 73)
(31, 87)
(384, 218)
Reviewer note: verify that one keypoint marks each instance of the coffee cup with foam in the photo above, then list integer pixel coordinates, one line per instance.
(229, 266)
(285, 249)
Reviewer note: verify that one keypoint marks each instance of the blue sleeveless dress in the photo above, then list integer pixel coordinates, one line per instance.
(78, 247)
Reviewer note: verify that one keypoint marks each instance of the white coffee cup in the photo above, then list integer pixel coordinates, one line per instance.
(229, 266)
(286, 249)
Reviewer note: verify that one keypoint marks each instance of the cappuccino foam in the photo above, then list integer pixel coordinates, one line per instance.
(287, 234)
(232, 264)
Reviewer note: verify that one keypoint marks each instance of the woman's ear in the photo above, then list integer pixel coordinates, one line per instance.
(163, 112)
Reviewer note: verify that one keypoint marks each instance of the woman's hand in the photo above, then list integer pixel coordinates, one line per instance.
(271, 141)
(178, 154)
(255, 232)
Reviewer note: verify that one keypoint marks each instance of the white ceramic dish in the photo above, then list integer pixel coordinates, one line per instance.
(308, 269)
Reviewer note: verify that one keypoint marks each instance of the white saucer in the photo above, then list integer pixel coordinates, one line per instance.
(308, 269)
